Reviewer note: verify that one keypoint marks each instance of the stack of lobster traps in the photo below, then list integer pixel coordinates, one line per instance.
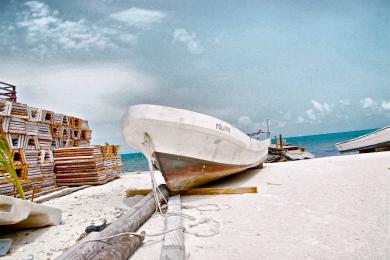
(88, 165)
(32, 135)
(111, 160)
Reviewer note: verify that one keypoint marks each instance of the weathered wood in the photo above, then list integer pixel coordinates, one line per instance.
(60, 193)
(216, 191)
(173, 247)
(200, 191)
(118, 247)
(134, 192)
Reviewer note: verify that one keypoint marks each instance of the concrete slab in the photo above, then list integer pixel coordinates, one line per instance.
(17, 213)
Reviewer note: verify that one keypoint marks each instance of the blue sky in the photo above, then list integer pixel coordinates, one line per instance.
(309, 66)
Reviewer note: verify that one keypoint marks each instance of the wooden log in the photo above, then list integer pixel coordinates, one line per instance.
(117, 247)
(133, 192)
(173, 247)
(281, 140)
(200, 191)
(216, 191)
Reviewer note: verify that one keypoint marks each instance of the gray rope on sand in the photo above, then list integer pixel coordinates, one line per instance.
(203, 221)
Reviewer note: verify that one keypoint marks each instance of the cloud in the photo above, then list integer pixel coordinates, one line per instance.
(386, 105)
(140, 18)
(193, 44)
(311, 114)
(316, 112)
(278, 124)
(45, 32)
(244, 121)
(43, 25)
(300, 120)
(369, 103)
(88, 91)
(128, 38)
(344, 102)
(324, 108)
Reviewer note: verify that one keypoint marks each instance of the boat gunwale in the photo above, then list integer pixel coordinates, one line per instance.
(365, 147)
(362, 136)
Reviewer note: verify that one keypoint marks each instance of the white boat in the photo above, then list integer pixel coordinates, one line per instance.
(379, 138)
(189, 148)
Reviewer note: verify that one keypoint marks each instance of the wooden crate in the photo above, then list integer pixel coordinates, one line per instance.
(17, 125)
(46, 156)
(75, 134)
(21, 171)
(84, 124)
(66, 121)
(32, 143)
(79, 166)
(56, 131)
(44, 143)
(58, 119)
(85, 134)
(5, 124)
(16, 141)
(75, 122)
(34, 114)
(19, 157)
(19, 110)
(44, 131)
(5, 107)
(47, 117)
(32, 128)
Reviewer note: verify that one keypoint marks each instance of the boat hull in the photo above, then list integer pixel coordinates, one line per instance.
(190, 149)
(181, 173)
(377, 138)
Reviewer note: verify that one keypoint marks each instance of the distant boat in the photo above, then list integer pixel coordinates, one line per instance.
(379, 139)
(189, 148)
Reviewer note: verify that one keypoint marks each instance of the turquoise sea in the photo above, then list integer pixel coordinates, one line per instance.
(320, 145)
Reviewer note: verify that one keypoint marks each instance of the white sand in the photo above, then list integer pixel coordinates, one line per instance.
(327, 208)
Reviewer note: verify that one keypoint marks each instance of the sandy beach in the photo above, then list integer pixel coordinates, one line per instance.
(327, 208)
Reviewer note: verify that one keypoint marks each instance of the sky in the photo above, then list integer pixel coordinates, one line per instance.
(309, 66)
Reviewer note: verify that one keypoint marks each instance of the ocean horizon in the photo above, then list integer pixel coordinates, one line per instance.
(321, 145)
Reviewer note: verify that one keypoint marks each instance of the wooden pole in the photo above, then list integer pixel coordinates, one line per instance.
(281, 141)
(276, 142)
(118, 247)
(173, 247)
(32, 195)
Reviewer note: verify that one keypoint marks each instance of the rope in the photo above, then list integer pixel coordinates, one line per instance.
(215, 231)
(203, 207)
(155, 188)
(133, 234)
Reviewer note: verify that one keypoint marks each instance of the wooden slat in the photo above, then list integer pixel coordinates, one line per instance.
(173, 247)
(133, 192)
(200, 191)
(216, 191)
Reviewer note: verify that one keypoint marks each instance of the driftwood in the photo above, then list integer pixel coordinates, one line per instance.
(173, 247)
(109, 244)
(200, 191)
(60, 194)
